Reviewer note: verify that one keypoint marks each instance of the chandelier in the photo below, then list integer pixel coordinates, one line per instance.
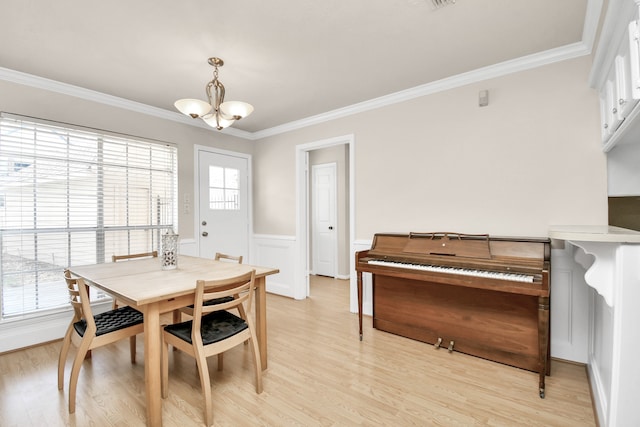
(216, 113)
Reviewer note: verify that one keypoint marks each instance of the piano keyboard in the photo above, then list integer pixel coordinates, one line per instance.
(515, 277)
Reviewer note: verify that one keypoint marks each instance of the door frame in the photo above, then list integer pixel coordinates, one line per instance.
(302, 261)
(197, 149)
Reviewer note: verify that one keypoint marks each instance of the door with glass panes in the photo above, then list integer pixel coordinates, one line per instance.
(223, 223)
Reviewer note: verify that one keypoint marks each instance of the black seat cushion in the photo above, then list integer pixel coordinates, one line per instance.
(111, 321)
(215, 327)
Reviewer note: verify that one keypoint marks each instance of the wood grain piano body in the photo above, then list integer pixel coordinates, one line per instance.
(499, 320)
(498, 326)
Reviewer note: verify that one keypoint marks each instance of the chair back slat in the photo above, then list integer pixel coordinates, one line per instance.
(153, 254)
(226, 257)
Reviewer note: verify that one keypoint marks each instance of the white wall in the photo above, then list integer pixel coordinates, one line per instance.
(528, 160)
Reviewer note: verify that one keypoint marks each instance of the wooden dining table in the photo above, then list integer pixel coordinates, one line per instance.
(144, 285)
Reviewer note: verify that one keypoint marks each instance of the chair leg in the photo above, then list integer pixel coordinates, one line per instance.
(75, 371)
(62, 358)
(205, 383)
(132, 348)
(256, 361)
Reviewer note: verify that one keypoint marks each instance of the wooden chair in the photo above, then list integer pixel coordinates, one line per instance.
(116, 258)
(177, 314)
(88, 332)
(213, 331)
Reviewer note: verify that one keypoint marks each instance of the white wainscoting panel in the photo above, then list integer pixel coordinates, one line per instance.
(188, 247)
(569, 307)
(277, 252)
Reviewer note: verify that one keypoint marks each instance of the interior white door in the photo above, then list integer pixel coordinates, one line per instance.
(324, 206)
(223, 204)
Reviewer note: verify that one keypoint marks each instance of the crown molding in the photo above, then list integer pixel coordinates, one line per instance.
(591, 21)
(25, 79)
(497, 70)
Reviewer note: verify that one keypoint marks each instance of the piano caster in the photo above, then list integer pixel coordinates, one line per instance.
(437, 344)
(541, 393)
(450, 347)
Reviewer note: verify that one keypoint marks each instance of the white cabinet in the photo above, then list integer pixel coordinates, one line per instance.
(619, 82)
(621, 90)
(610, 258)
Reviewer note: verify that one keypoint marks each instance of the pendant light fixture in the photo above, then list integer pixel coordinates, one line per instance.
(216, 113)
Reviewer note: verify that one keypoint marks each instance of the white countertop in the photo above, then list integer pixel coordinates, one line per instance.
(594, 233)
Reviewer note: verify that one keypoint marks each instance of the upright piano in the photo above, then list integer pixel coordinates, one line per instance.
(478, 294)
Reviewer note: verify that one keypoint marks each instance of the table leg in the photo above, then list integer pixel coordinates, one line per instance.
(261, 318)
(152, 354)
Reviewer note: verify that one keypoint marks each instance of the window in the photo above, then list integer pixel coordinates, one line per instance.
(72, 196)
(224, 188)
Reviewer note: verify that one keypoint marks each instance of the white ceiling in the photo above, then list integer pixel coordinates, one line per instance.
(291, 59)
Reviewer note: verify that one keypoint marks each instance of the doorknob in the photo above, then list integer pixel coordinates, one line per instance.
(331, 227)
(205, 234)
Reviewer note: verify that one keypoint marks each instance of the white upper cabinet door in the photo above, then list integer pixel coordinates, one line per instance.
(634, 59)
(605, 123)
(624, 99)
(611, 118)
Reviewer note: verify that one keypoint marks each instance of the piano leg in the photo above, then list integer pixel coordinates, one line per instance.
(360, 302)
(543, 341)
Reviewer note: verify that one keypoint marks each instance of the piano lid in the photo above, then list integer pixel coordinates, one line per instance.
(449, 244)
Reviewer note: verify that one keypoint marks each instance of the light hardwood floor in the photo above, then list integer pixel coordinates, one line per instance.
(319, 374)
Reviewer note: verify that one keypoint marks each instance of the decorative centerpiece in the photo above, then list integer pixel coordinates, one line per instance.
(169, 251)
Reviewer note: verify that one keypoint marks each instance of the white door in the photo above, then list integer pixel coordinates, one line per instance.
(223, 204)
(323, 229)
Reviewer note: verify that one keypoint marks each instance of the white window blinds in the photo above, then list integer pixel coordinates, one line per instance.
(72, 196)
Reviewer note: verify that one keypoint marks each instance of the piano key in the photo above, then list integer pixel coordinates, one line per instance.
(515, 277)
